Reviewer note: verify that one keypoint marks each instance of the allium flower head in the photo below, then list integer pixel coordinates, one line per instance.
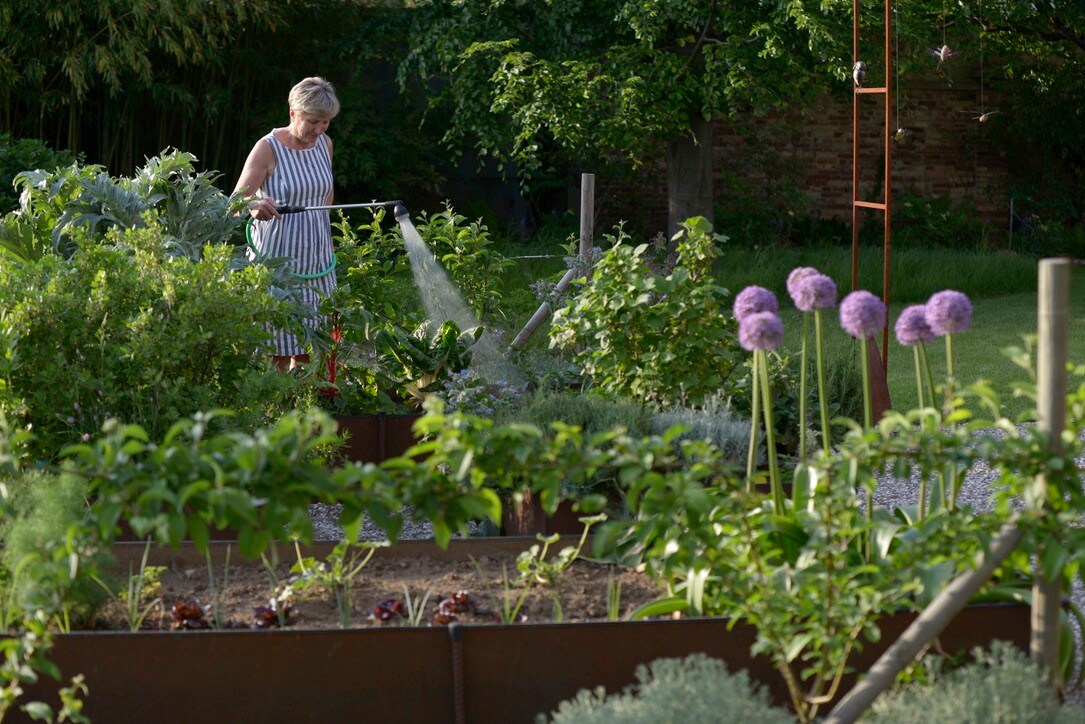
(949, 312)
(814, 291)
(761, 330)
(862, 314)
(911, 327)
(754, 300)
(796, 276)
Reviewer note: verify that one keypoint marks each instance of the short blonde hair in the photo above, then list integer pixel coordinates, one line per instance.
(316, 97)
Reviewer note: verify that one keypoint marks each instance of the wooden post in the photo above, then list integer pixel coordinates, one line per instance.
(587, 219)
(1053, 318)
(587, 236)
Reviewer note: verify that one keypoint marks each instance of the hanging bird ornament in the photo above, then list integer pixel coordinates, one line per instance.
(981, 116)
(858, 73)
(901, 134)
(944, 53)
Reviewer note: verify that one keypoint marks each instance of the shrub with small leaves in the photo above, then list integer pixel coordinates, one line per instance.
(136, 334)
(1000, 685)
(694, 689)
(663, 339)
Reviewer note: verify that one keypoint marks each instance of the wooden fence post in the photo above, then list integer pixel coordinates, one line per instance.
(587, 235)
(1053, 319)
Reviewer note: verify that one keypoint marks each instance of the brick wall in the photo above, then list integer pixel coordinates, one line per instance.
(802, 158)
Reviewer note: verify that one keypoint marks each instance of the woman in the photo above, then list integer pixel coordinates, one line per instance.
(293, 165)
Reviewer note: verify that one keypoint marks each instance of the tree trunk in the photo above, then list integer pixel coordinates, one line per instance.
(689, 174)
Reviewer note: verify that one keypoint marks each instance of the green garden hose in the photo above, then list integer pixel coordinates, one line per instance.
(317, 275)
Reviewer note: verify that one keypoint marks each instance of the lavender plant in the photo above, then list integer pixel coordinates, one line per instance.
(468, 392)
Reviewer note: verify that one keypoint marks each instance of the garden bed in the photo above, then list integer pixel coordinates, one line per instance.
(466, 672)
(474, 566)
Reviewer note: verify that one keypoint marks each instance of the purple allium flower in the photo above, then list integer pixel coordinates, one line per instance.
(814, 291)
(754, 300)
(912, 327)
(862, 314)
(949, 312)
(761, 330)
(796, 276)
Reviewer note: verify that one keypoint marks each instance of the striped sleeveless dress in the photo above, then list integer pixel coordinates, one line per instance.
(303, 178)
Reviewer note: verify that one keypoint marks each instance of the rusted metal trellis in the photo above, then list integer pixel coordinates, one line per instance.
(885, 206)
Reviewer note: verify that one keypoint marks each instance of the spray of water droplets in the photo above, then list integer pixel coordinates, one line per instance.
(443, 302)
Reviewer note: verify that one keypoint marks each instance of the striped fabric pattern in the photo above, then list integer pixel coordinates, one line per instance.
(302, 178)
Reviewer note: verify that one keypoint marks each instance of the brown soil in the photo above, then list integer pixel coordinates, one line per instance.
(579, 594)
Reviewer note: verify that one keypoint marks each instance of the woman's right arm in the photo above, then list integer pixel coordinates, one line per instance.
(258, 166)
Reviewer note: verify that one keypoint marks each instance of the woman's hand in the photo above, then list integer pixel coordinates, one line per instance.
(263, 209)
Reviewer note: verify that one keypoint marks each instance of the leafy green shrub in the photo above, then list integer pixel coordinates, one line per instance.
(80, 202)
(1001, 685)
(135, 334)
(664, 339)
(922, 222)
(694, 689)
(259, 485)
(24, 154)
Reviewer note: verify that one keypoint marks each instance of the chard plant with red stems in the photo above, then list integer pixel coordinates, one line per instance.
(812, 291)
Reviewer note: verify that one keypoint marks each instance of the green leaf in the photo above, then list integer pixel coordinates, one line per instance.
(658, 607)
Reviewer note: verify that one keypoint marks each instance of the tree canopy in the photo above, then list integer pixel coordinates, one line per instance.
(636, 77)
(616, 76)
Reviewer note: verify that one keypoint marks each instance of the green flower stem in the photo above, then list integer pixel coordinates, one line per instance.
(868, 418)
(755, 422)
(923, 498)
(918, 375)
(802, 388)
(927, 372)
(949, 375)
(954, 483)
(868, 410)
(823, 401)
(770, 434)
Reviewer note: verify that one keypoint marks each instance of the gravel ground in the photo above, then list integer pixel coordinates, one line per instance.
(892, 492)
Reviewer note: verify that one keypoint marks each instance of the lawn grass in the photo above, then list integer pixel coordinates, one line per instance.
(998, 322)
(1001, 286)
(915, 274)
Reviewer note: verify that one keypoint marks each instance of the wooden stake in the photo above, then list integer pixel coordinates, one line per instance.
(1053, 318)
(925, 628)
(587, 235)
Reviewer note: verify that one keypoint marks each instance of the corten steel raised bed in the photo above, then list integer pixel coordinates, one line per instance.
(471, 673)
(374, 438)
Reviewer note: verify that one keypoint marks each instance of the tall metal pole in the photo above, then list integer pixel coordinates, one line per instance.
(888, 230)
(855, 153)
(880, 359)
